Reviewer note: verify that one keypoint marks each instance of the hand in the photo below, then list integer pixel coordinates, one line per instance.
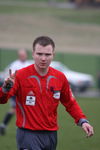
(88, 129)
(8, 83)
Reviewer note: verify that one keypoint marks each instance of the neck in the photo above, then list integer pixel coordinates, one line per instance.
(41, 71)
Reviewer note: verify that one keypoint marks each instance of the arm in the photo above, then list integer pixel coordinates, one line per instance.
(3, 96)
(73, 108)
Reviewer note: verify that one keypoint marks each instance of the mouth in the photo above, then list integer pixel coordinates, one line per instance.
(43, 64)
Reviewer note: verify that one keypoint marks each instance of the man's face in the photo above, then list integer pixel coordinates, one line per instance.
(43, 56)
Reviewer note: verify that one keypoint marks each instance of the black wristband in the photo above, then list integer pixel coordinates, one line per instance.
(81, 121)
(86, 121)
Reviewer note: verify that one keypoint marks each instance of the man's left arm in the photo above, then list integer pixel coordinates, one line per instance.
(73, 108)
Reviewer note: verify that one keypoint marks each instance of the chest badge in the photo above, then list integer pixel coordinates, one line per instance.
(56, 94)
(30, 99)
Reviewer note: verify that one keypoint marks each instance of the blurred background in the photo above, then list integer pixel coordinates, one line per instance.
(75, 27)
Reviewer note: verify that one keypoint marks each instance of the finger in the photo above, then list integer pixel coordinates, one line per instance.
(86, 131)
(85, 128)
(90, 132)
(15, 73)
(10, 73)
(6, 80)
(89, 135)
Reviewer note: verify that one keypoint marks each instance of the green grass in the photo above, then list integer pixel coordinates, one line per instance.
(75, 30)
(7, 142)
(69, 136)
(82, 16)
(6, 57)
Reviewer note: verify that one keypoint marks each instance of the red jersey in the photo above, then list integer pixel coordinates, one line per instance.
(37, 99)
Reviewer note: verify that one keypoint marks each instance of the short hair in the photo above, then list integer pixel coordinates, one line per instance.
(44, 41)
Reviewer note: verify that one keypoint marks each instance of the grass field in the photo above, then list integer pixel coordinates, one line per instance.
(69, 136)
(74, 30)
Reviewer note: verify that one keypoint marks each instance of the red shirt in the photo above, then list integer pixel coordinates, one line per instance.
(37, 99)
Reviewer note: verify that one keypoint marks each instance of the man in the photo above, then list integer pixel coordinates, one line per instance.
(39, 88)
(16, 65)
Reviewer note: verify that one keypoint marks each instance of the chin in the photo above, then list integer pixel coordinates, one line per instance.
(43, 67)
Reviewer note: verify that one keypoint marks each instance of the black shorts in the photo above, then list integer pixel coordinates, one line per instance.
(36, 140)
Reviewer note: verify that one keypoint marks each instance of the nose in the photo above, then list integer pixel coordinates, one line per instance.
(43, 57)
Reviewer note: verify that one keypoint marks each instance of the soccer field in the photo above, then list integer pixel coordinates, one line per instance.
(76, 33)
(70, 136)
(73, 30)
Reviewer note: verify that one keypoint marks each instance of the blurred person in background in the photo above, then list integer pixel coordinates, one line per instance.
(98, 81)
(39, 89)
(16, 65)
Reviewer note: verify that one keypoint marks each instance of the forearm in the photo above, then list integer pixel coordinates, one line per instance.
(81, 120)
(3, 96)
(76, 112)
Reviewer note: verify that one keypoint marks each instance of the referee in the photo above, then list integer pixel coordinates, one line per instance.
(39, 89)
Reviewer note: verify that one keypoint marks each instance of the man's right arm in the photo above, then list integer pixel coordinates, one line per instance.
(4, 96)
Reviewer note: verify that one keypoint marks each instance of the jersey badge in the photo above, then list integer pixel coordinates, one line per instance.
(30, 99)
(56, 94)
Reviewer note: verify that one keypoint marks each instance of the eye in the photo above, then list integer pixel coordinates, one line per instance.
(40, 54)
(48, 54)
